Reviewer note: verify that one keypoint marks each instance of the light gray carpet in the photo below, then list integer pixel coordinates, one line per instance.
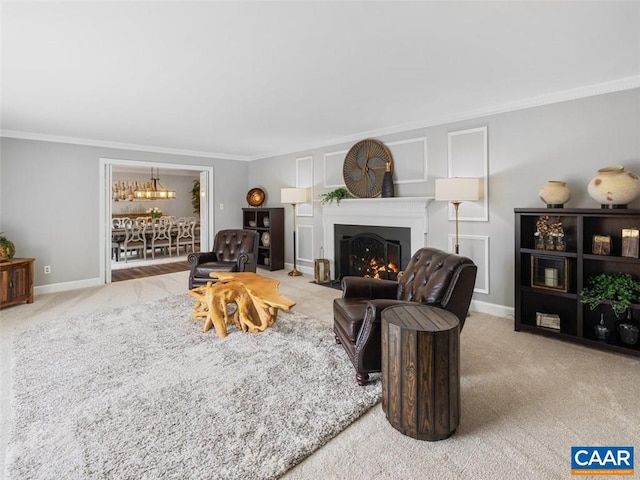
(141, 393)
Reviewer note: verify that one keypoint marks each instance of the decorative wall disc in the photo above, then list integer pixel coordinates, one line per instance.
(364, 168)
(255, 197)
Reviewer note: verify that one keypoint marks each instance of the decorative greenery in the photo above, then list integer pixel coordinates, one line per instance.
(620, 289)
(154, 212)
(337, 195)
(195, 196)
(7, 248)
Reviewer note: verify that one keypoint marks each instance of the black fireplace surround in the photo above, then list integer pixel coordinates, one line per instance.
(371, 250)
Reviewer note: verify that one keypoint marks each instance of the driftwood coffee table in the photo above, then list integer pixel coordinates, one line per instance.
(256, 298)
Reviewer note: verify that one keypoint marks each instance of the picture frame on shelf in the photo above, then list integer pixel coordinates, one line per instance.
(550, 273)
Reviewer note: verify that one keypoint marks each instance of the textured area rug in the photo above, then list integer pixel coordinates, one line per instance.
(141, 393)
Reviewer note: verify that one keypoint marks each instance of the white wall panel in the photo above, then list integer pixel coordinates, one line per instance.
(468, 157)
(304, 179)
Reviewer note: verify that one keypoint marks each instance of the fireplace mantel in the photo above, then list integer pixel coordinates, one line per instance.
(408, 212)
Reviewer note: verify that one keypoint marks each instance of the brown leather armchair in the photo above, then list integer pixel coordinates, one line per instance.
(432, 277)
(233, 251)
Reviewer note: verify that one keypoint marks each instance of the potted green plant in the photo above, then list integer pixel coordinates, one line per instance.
(7, 248)
(337, 195)
(620, 290)
(195, 196)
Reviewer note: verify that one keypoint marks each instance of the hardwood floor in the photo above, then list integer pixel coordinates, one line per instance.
(149, 271)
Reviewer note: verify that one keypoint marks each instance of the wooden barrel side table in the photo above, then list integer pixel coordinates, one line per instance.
(421, 370)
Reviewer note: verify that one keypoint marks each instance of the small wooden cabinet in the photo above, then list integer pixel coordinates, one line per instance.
(16, 277)
(269, 223)
(549, 275)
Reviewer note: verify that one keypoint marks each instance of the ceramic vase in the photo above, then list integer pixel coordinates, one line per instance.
(555, 194)
(601, 330)
(628, 333)
(387, 183)
(614, 187)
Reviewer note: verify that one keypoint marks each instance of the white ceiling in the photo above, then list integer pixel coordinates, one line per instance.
(251, 79)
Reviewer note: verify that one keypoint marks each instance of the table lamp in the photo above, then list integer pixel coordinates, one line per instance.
(457, 190)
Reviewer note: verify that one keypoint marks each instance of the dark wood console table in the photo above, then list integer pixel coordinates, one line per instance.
(420, 370)
(16, 277)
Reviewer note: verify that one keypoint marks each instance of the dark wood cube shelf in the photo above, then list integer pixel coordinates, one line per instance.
(536, 294)
(269, 224)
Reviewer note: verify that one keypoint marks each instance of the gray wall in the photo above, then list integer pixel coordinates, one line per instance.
(178, 207)
(49, 202)
(566, 141)
(49, 191)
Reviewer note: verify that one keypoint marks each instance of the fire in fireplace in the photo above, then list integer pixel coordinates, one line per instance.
(371, 251)
(369, 255)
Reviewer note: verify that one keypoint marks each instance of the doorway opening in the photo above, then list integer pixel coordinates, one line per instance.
(113, 267)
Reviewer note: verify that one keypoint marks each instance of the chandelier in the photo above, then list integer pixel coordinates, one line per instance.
(154, 190)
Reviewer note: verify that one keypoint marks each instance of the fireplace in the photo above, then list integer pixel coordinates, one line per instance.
(371, 251)
(374, 216)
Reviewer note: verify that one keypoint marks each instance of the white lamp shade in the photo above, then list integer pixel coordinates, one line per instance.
(294, 195)
(458, 189)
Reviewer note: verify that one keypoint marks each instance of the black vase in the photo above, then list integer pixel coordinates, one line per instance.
(387, 185)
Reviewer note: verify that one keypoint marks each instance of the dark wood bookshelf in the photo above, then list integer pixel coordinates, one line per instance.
(577, 320)
(269, 224)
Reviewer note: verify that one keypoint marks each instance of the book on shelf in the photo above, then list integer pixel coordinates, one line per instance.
(548, 320)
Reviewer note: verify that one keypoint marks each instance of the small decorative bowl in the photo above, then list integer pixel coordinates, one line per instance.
(252, 223)
(255, 197)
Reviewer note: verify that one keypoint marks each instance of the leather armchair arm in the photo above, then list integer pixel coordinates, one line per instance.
(244, 259)
(202, 257)
(360, 287)
(369, 338)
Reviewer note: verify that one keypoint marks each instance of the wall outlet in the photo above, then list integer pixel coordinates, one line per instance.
(222, 206)
(47, 269)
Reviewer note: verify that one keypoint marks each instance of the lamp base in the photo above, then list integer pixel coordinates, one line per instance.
(294, 273)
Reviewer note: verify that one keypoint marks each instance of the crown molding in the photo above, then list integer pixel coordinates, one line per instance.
(41, 137)
(628, 83)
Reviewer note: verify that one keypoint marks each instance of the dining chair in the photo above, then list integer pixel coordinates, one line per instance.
(160, 234)
(135, 238)
(185, 234)
(117, 237)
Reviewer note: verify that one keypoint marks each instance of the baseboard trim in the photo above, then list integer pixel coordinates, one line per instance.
(476, 305)
(65, 286)
(491, 309)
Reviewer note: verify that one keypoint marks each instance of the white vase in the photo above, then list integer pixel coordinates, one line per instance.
(614, 187)
(555, 194)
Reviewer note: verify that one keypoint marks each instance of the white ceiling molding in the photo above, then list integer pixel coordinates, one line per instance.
(120, 146)
(557, 97)
(572, 94)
